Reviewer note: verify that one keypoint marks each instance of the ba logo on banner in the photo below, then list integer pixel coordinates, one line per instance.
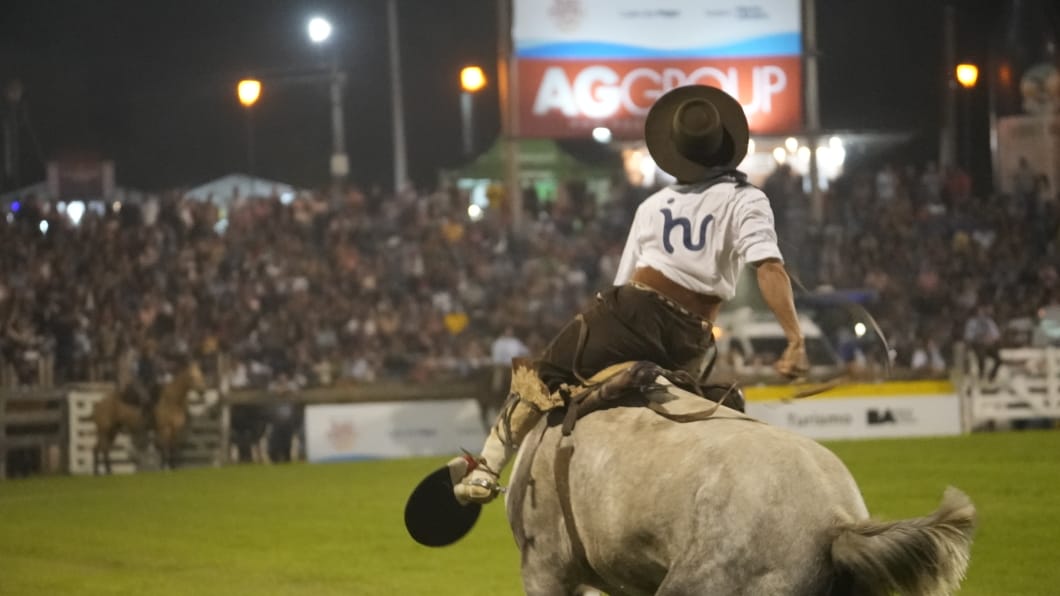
(670, 222)
(890, 416)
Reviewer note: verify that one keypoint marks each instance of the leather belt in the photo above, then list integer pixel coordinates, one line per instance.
(701, 305)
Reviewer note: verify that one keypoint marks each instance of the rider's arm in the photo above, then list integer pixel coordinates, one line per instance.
(757, 242)
(775, 284)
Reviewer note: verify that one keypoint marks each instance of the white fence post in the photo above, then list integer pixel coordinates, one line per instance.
(1027, 387)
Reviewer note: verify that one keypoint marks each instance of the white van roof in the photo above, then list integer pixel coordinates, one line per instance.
(749, 323)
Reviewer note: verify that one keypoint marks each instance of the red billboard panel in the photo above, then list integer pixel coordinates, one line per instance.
(568, 98)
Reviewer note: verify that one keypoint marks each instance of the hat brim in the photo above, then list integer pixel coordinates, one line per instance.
(433, 516)
(658, 127)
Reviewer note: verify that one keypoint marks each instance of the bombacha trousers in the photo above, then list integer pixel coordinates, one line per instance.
(629, 322)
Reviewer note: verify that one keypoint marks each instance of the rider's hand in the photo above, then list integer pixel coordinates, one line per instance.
(793, 363)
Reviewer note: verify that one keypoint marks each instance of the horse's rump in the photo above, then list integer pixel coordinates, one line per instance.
(653, 503)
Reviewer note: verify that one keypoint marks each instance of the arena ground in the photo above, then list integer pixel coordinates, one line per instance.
(337, 529)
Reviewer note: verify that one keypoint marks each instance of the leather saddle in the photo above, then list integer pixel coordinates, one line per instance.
(632, 384)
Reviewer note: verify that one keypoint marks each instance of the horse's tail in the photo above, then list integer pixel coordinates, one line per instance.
(924, 555)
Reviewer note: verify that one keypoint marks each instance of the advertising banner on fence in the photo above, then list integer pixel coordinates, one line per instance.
(394, 429)
(865, 415)
(1029, 154)
(580, 64)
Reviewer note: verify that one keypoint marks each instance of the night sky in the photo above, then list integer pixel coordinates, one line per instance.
(151, 84)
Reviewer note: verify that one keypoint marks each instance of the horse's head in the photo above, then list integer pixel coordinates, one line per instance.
(193, 376)
(189, 377)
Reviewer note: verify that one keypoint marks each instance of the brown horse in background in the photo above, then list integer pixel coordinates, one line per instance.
(171, 411)
(113, 415)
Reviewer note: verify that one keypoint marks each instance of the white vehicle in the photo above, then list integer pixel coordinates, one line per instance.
(750, 342)
(1047, 331)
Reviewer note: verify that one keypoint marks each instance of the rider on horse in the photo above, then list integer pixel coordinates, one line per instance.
(686, 247)
(145, 368)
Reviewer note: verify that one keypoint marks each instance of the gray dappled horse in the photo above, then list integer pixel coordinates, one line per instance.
(724, 506)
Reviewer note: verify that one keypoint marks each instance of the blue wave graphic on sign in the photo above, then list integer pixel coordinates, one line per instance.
(781, 44)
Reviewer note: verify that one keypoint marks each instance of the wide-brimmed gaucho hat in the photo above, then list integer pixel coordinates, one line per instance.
(695, 129)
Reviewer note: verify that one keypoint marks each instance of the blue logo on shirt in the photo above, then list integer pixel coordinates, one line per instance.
(686, 231)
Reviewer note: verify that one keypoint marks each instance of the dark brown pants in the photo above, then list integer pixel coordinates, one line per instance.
(626, 323)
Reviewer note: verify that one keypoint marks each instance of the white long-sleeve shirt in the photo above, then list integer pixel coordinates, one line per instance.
(701, 238)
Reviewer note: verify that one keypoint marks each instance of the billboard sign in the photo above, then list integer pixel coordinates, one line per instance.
(80, 179)
(1028, 159)
(865, 417)
(337, 432)
(580, 64)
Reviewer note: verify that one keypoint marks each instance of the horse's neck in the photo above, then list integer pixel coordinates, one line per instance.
(177, 391)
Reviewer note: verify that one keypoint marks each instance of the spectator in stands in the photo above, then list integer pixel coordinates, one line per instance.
(1028, 185)
(984, 337)
(930, 187)
(958, 187)
(927, 360)
(506, 347)
(886, 184)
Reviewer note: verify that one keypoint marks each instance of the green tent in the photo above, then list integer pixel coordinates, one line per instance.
(539, 158)
(541, 163)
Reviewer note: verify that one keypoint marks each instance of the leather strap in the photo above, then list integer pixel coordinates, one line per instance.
(564, 453)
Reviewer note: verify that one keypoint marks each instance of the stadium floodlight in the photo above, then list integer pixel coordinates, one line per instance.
(602, 134)
(248, 91)
(967, 75)
(319, 29)
(472, 79)
(474, 212)
(74, 211)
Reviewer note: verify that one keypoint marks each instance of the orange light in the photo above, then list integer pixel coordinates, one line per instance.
(472, 79)
(248, 91)
(967, 75)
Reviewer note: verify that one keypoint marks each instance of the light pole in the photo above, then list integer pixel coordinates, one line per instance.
(248, 91)
(811, 93)
(472, 79)
(967, 75)
(948, 134)
(397, 109)
(319, 30)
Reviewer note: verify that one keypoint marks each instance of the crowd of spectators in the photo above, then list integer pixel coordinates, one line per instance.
(943, 264)
(319, 291)
(311, 292)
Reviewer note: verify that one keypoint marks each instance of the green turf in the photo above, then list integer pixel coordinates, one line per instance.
(337, 529)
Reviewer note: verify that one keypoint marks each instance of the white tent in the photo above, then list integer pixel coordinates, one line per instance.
(229, 188)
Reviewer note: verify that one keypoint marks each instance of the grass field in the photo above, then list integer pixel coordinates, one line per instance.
(337, 529)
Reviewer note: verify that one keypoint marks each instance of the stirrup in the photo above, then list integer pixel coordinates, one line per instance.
(489, 489)
(486, 483)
